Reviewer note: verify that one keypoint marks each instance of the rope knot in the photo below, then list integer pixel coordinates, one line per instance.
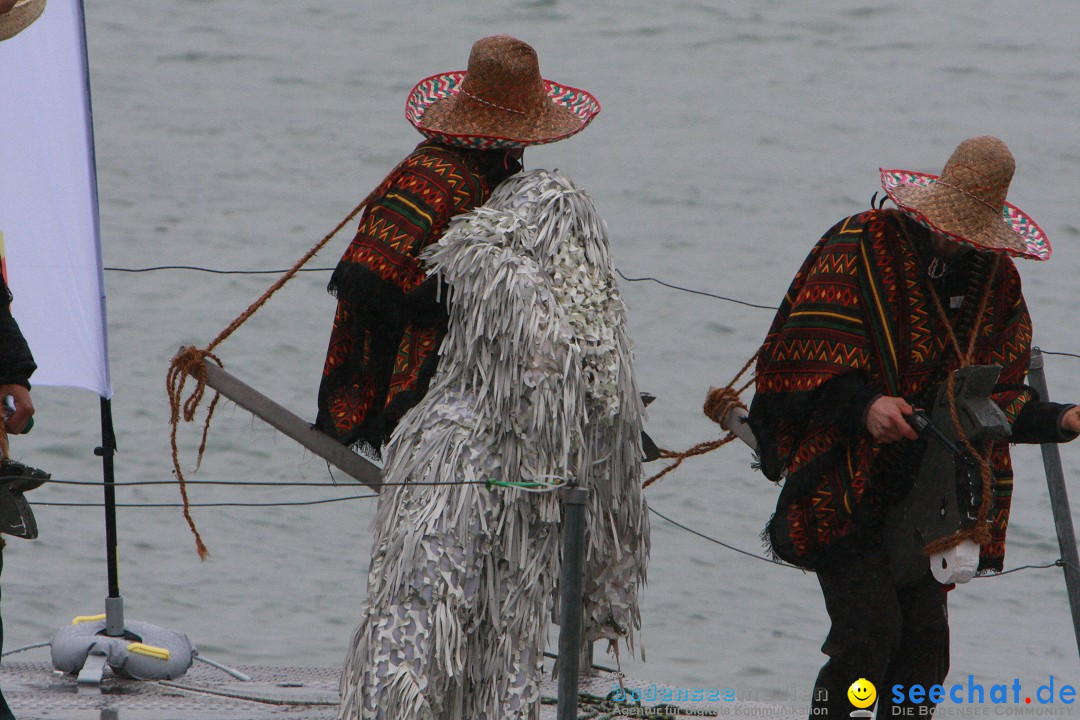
(720, 401)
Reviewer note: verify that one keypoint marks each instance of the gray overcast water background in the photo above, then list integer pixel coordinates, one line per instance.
(234, 134)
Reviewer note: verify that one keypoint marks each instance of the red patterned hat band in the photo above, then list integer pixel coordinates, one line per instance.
(967, 201)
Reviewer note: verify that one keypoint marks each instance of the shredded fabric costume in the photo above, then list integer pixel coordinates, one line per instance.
(388, 324)
(859, 320)
(535, 385)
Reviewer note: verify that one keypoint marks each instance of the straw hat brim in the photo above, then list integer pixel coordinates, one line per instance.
(436, 108)
(1010, 231)
(20, 17)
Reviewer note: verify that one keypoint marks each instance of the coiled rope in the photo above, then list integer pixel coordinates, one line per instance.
(192, 361)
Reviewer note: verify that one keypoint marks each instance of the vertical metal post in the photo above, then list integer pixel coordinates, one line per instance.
(570, 611)
(114, 604)
(1059, 501)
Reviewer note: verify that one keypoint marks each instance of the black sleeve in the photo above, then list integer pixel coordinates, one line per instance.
(1040, 422)
(844, 401)
(16, 362)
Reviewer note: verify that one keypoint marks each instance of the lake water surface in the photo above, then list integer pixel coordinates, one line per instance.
(234, 134)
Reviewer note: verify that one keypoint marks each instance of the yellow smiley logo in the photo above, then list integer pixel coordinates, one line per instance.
(862, 693)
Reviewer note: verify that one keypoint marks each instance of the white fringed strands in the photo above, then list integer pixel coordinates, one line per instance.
(535, 384)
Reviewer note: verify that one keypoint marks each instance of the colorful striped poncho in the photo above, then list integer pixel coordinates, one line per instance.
(384, 344)
(858, 320)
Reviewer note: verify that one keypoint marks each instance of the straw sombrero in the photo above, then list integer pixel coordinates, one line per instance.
(967, 202)
(501, 101)
(19, 17)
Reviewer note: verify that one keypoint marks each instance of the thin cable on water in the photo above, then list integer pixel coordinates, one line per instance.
(257, 483)
(695, 292)
(677, 524)
(1072, 355)
(213, 270)
(1056, 563)
(25, 648)
(301, 503)
(284, 503)
(658, 281)
(328, 269)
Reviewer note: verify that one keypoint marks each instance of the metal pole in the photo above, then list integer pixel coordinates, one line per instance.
(570, 612)
(1059, 501)
(114, 604)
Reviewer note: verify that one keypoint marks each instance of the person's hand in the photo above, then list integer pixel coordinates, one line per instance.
(24, 407)
(1070, 421)
(6, 5)
(886, 420)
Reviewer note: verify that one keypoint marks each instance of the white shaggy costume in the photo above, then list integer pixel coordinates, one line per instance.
(535, 385)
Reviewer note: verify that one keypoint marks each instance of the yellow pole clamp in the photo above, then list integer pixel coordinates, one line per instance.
(158, 652)
(87, 618)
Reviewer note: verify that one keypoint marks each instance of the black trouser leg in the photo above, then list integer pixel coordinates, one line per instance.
(866, 625)
(879, 632)
(923, 655)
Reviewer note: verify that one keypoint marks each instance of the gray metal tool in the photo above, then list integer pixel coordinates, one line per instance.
(947, 491)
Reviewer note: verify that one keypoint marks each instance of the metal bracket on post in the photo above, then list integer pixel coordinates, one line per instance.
(1059, 501)
(570, 611)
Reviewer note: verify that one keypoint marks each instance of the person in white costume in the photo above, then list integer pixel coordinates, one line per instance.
(535, 389)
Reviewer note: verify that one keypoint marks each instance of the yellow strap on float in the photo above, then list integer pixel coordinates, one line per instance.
(87, 618)
(156, 652)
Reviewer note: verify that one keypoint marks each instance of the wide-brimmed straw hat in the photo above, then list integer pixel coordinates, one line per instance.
(19, 17)
(501, 101)
(967, 201)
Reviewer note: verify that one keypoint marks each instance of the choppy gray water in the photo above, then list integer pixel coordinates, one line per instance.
(235, 133)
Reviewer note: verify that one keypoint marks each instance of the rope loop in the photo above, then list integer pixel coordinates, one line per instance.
(192, 361)
(189, 361)
(718, 403)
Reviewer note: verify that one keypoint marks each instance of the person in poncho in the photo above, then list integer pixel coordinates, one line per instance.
(533, 389)
(389, 322)
(886, 305)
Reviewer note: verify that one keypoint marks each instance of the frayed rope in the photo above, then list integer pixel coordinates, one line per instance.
(192, 361)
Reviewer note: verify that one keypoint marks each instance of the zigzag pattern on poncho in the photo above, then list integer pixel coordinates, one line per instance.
(860, 304)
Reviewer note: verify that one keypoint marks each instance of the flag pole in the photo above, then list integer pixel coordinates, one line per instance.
(114, 603)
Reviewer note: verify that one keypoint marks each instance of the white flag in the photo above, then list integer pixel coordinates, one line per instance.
(48, 200)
